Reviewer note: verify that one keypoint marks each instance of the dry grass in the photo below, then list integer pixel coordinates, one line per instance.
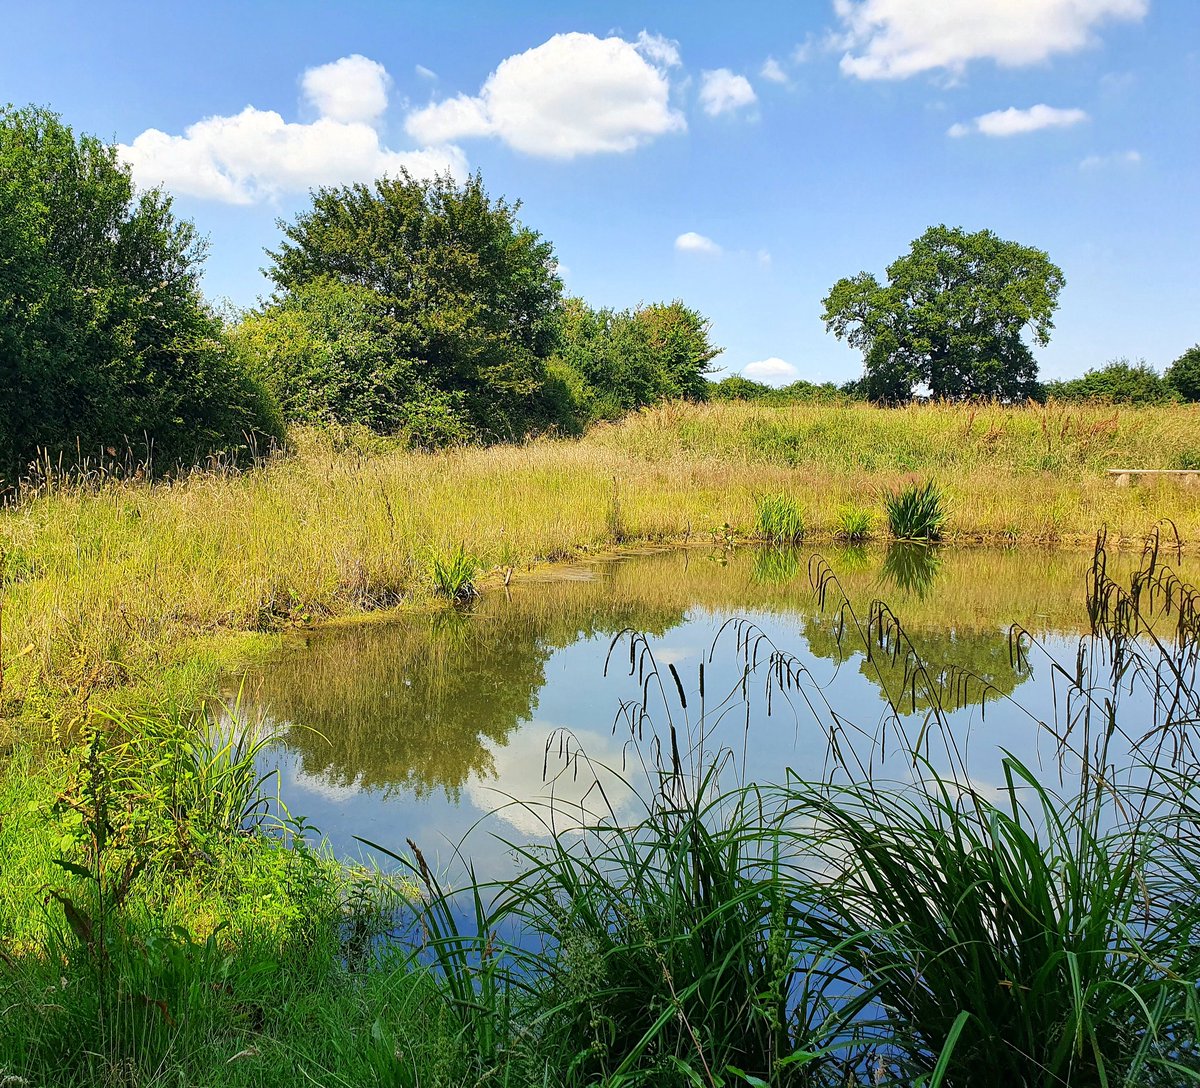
(109, 586)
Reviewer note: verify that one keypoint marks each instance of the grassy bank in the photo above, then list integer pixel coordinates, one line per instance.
(135, 584)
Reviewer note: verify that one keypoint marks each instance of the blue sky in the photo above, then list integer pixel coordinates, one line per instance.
(741, 158)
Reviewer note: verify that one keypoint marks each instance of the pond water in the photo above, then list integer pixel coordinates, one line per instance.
(463, 729)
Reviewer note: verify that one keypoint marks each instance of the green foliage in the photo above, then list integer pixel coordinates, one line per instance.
(454, 573)
(854, 524)
(105, 343)
(950, 318)
(1183, 375)
(634, 358)
(412, 306)
(1118, 382)
(779, 519)
(916, 512)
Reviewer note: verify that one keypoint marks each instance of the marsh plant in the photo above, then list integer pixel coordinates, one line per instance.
(918, 929)
(916, 511)
(453, 574)
(853, 524)
(779, 519)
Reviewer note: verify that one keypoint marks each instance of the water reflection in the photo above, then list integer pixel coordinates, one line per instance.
(911, 566)
(418, 726)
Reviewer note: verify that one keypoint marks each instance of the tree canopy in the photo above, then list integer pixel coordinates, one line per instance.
(618, 360)
(950, 318)
(1183, 375)
(1117, 382)
(105, 341)
(406, 294)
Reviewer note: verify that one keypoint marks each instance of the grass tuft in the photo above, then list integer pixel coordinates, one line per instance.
(779, 519)
(453, 574)
(916, 512)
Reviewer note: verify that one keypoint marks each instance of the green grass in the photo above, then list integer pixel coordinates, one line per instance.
(454, 573)
(779, 520)
(854, 524)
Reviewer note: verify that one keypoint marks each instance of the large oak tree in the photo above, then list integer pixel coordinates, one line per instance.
(951, 318)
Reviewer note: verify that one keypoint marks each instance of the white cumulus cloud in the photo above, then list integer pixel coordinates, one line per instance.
(1015, 122)
(691, 242)
(723, 92)
(575, 94)
(257, 155)
(772, 371)
(893, 39)
(348, 90)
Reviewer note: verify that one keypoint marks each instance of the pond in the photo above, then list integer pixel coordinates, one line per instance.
(463, 730)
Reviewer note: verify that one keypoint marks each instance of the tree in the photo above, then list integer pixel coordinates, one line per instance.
(627, 359)
(951, 317)
(1183, 375)
(105, 341)
(448, 296)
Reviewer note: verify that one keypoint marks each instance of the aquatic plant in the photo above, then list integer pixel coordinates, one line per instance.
(916, 511)
(454, 573)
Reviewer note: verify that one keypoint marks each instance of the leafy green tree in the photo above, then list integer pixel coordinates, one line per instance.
(1183, 375)
(1118, 382)
(105, 341)
(450, 301)
(627, 359)
(950, 318)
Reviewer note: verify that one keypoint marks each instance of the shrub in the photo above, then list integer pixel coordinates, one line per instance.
(106, 345)
(1183, 375)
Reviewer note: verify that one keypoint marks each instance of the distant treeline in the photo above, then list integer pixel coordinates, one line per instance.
(1118, 382)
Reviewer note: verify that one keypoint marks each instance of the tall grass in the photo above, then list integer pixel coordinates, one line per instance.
(916, 512)
(779, 520)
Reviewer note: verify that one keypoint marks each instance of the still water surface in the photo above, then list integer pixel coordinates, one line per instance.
(455, 730)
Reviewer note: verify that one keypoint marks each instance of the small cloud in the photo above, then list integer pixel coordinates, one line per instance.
(691, 242)
(772, 371)
(658, 50)
(425, 73)
(764, 257)
(1015, 122)
(806, 50)
(1117, 158)
(575, 94)
(772, 71)
(723, 92)
(348, 90)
